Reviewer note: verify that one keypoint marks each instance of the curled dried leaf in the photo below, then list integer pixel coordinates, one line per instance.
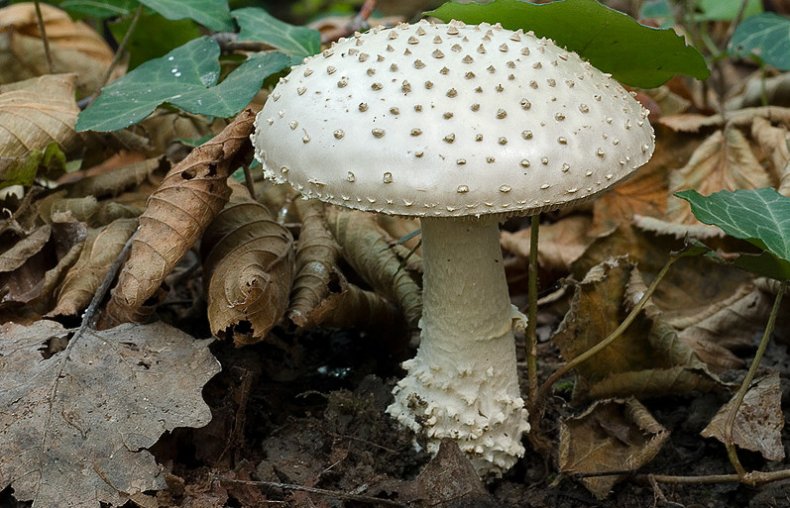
(316, 259)
(561, 243)
(758, 422)
(248, 260)
(74, 47)
(349, 306)
(24, 249)
(189, 198)
(113, 183)
(611, 436)
(366, 247)
(37, 112)
(775, 141)
(647, 360)
(100, 250)
(724, 161)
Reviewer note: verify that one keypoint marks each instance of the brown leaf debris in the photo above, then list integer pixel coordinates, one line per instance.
(248, 262)
(188, 199)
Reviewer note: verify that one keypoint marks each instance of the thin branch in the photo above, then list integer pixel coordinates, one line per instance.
(732, 412)
(532, 315)
(321, 492)
(44, 39)
(121, 49)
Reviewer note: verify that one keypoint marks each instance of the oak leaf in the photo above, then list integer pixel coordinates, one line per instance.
(76, 425)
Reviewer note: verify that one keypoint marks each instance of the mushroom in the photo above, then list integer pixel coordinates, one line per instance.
(461, 126)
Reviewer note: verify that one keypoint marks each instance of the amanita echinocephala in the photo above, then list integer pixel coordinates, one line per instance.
(460, 126)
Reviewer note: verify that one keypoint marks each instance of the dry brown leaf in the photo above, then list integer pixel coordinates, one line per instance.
(758, 423)
(76, 425)
(724, 161)
(190, 196)
(248, 263)
(693, 123)
(678, 231)
(24, 249)
(647, 360)
(349, 306)
(101, 248)
(561, 243)
(645, 194)
(690, 122)
(37, 112)
(612, 435)
(403, 229)
(113, 183)
(74, 46)
(775, 142)
(366, 247)
(316, 260)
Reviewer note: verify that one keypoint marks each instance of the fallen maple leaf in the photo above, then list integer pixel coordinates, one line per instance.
(74, 426)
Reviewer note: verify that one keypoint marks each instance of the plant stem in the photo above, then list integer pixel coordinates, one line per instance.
(44, 39)
(121, 48)
(532, 315)
(575, 362)
(732, 412)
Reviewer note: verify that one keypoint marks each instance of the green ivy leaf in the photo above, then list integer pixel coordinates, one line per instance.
(766, 36)
(213, 14)
(297, 42)
(613, 42)
(186, 78)
(154, 36)
(759, 216)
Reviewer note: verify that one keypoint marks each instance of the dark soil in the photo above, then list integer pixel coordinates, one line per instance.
(300, 422)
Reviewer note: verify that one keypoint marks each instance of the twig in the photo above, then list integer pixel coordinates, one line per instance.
(248, 180)
(229, 43)
(119, 52)
(732, 412)
(90, 313)
(44, 39)
(575, 362)
(321, 492)
(532, 315)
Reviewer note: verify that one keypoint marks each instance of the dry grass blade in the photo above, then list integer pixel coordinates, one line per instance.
(37, 112)
(81, 282)
(248, 262)
(316, 259)
(367, 249)
(189, 198)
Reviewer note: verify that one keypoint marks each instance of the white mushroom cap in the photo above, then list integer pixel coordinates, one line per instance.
(450, 120)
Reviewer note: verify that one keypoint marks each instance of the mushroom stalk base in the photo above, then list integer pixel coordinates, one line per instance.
(463, 383)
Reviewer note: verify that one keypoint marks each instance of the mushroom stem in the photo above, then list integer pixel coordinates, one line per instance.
(463, 382)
